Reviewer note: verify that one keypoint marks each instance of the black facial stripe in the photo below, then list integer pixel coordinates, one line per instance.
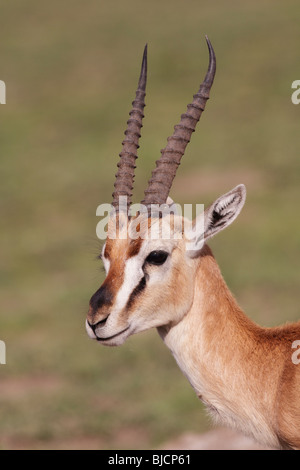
(136, 292)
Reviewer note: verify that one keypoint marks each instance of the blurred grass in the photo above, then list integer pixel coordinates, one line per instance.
(71, 70)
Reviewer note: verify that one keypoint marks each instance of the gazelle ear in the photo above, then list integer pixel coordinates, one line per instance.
(224, 211)
(216, 217)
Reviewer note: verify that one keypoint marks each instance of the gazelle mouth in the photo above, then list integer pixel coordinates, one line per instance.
(98, 338)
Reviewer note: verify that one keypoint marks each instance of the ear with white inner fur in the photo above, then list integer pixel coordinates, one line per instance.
(217, 217)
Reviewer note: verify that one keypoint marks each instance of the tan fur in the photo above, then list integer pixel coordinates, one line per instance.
(243, 373)
(116, 254)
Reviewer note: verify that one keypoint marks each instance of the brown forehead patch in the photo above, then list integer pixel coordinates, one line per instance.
(123, 250)
(115, 251)
(129, 247)
(134, 247)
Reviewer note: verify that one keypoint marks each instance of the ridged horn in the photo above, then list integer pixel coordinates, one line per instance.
(126, 165)
(163, 175)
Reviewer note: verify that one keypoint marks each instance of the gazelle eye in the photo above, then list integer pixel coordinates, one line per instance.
(157, 257)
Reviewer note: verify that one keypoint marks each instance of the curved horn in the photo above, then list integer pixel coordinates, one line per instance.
(126, 166)
(162, 177)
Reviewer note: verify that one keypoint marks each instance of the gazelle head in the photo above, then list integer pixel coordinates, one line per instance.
(151, 258)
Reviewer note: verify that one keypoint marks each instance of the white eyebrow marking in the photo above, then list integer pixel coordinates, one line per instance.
(106, 262)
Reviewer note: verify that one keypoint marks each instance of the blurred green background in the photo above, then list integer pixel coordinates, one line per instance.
(71, 69)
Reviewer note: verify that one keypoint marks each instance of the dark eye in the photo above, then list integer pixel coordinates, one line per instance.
(157, 257)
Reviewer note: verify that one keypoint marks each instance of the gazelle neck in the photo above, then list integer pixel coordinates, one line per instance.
(222, 354)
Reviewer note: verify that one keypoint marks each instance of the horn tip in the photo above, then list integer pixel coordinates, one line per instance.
(143, 75)
(144, 62)
(209, 45)
(212, 62)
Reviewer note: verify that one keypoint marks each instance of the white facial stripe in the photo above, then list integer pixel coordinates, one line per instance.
(105, 261)
(132, 275)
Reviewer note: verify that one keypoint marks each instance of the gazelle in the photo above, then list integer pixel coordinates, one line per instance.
(243, 373)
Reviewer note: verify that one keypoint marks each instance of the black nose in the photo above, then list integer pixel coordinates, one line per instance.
(94, 326)
(102, 297)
